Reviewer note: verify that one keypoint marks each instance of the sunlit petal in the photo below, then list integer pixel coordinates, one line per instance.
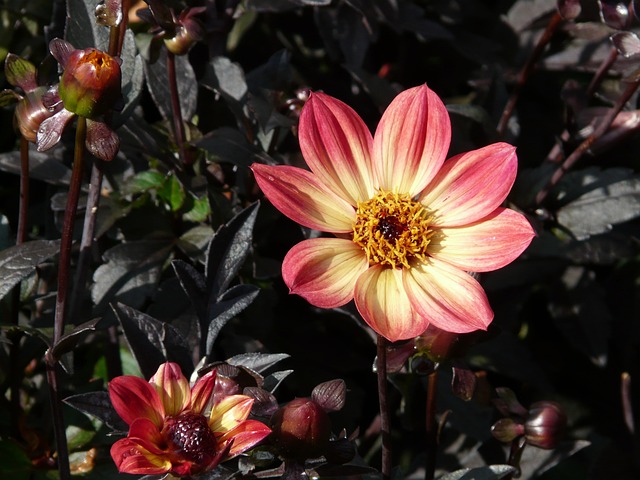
(202, 391)
(132, 397)
(131, 457)
(486, 245)
(472, 185)
(449, 298)
(245, 436)
(230, 412)
(385, 306)
(411, 141)
(172, 387)
(324, 270)
(336, 145)
(301, 196)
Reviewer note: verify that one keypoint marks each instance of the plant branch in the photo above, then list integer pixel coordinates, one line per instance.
(431, 427)
(602, 128)
(381, 370)
(555, 22)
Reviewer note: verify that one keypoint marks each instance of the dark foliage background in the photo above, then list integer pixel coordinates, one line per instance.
(567, 312)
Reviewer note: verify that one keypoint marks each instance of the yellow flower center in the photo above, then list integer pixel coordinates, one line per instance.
(392, 229)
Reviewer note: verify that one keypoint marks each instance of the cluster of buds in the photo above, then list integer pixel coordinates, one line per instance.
(542, 425)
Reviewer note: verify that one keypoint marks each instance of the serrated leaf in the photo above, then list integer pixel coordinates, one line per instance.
(257, 362)
(98, 404)
(228, 250)
(194, 285)
(44, 167)
(158, 84)
(271, 382)
(230, 304)
(229, 145)
(491, 472)
(607, 202)
(153, 342)
(130, 272)
(82, 30)
(19, 261)
(70, 339)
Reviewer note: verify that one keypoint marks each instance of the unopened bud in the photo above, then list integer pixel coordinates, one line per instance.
(506, 430)
(301, 429)
(91, 83)
(545, 425)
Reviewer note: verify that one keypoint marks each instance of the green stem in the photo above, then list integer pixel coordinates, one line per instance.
(178, 124)
(64, 276)
(381, 370)
(431, 427)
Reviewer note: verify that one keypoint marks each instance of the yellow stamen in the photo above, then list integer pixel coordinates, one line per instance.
(392, 229)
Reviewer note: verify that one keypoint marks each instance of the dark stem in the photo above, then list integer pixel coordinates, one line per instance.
(602, 127)
(64, 276)
(602, 70)
(381, 370)
(431, 427)
(515, 454)
(555, 21)
(23, 212)
(627, 406)
(178, 125)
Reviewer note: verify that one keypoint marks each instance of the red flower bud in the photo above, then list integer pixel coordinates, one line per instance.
(90, 84)
(545, 424)
(30, 113)
(301, 429)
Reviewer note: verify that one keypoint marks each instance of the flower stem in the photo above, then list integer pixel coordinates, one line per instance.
(24, 191)
(555, 22)
(178, 125)
(515, 454)
(64, 275)
(431, 428)
(381, 370)
(602, 127)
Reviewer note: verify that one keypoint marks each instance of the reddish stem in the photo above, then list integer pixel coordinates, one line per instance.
(381, 370)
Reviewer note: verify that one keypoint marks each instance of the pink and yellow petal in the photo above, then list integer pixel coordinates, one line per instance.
(411, 141)
(384, 305)
(202, 391)
(486, 245)
(336, 144)
(324, 271)
(302, 197)
(133, 398)
(472, 185)
(230, 412)
(244, 436)
(448, 297)
(132, 458)
(172, 387)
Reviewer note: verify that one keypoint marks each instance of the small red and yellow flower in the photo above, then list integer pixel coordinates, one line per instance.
(178, 429)
(409, 225)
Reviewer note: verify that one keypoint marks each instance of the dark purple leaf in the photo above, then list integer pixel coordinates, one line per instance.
(330, 395)
(258, 362)
(98, 404)
(228, 250)
(71, 339)
(491, 472)
(194, 285)
(19, 261)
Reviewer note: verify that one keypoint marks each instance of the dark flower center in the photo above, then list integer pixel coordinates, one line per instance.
(190, 432)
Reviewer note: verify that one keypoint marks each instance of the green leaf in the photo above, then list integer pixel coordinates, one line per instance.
(20, 261)
(144, 181)
(173, 193)
(200, 210)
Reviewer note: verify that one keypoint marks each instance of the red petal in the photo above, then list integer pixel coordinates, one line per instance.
(134, 398)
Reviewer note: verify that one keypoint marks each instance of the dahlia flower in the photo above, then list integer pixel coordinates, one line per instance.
(171, 429)
(408, 226)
